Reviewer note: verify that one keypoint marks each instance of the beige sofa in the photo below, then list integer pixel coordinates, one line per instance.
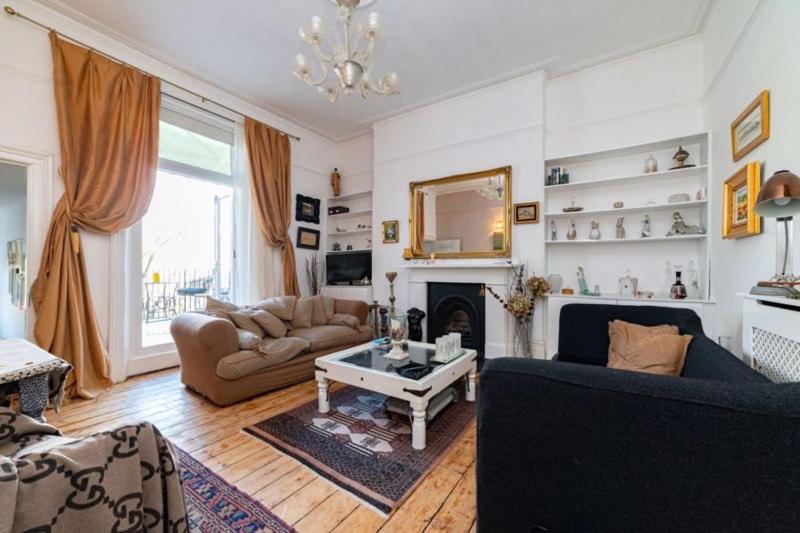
(209, 348)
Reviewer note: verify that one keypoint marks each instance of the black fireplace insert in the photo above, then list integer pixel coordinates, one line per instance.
(459, 308)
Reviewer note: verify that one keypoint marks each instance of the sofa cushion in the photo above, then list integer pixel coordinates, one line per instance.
(340, 319)
(656, 354)
(247, 340)
(623, 334)
(323, 337)
(303, 310)
(243, 318)
(280, 306)
(330, 307)
(272, 325)
(268, 353)
(318, 316)
(218, 308)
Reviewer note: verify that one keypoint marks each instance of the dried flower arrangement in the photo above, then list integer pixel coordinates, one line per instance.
(520, 300)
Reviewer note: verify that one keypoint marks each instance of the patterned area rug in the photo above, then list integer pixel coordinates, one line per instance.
(361, 450)
(215, 506)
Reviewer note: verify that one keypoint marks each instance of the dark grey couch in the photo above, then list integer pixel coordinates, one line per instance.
(574, 446)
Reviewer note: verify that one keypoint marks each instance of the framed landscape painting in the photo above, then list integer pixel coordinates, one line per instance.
(308, 238)
(751, 127)
(526, 213)
(739, 196)
(306, 209)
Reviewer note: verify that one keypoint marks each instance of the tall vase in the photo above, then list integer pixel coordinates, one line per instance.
(523, 337)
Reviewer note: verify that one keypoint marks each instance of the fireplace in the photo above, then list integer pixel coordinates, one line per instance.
(458, 308)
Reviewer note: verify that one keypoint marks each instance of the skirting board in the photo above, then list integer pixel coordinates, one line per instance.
(153, 362)
(499, 350)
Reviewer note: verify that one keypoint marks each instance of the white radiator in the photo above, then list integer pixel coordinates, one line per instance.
(771, 336)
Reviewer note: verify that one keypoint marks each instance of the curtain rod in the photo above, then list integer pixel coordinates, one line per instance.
(14, 13)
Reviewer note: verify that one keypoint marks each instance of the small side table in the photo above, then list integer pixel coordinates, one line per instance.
(35, 375)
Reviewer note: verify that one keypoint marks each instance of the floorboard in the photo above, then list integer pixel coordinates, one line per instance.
(444, 500)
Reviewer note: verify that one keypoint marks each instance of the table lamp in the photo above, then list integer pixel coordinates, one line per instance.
(779, 198)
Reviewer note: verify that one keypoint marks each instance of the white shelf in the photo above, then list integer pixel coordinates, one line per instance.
(640, 209)
(604, 296)
(652, 146)
(631, 241)
(460, 263)
(352, 214)
(352, 196)
(623, 180)
(354, 232)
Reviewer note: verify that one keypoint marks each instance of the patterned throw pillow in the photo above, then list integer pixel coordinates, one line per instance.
(303, 310)
(272, 325)
(280, 306)
(279, 351)
(243, 318)
(330, 304)
(318, 317)
(218, 308)
(340, 319)
(247, 340)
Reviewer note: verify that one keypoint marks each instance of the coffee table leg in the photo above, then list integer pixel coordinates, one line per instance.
(324, 404)
(418, 425)
(471, 385)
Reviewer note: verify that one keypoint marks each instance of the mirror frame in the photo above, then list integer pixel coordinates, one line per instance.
(414, 186)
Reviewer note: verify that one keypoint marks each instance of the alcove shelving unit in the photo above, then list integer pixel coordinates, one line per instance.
(360, 205)
(597, 181)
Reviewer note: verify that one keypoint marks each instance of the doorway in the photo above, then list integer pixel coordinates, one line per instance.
(13, 239)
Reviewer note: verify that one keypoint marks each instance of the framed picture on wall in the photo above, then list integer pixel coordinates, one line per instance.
(308, 238)
(739, 196)
(526, 213)
(751, 127)
(391, 231)
(306, 209)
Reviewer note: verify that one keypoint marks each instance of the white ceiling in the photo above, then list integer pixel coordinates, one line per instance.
(440, 48)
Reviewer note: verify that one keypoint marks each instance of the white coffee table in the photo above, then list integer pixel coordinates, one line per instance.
(366, 367)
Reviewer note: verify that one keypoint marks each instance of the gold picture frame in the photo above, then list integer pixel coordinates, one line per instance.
(751, 127)
(527, 213)
(739, 194)
(391, 231)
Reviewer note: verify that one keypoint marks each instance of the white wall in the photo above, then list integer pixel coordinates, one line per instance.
(12, 227)
(27, 109)
(749, 47)
(493, 127)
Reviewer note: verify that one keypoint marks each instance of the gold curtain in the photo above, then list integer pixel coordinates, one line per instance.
(108, 131)
(270, 156)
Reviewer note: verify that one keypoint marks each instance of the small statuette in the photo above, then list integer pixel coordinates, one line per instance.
(553, 231)
(680, 227)
(618, 205)
(620, 228)
(584, 288)
(572, 234)
(646, 229)
(680, 156)
(594, 234)
(650, 165)
(336, 180)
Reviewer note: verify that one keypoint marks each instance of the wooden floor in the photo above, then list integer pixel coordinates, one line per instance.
(444, 501)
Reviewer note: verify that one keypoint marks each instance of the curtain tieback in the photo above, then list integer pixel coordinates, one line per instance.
(75, 239)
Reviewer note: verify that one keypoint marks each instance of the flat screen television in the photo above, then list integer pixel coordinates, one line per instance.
(347, 267)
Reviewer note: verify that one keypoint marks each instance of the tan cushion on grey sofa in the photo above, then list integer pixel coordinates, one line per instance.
(280, 306)
(243, 318)
(218, 308)
(324, 337)
(303, 310)
(268, 353)
(272, 325)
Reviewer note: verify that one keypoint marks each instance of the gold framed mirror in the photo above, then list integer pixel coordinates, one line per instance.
(462, 217)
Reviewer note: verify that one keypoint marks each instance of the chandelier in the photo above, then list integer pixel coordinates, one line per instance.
(351, 57)
(492, 190)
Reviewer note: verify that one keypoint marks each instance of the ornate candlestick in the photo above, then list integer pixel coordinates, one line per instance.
(391, 277)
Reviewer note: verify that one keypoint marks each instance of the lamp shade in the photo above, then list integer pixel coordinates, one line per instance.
(779, 196)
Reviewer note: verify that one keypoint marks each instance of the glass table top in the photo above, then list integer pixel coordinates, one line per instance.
(419, 356)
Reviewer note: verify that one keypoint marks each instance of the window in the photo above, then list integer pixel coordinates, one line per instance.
(186, 237)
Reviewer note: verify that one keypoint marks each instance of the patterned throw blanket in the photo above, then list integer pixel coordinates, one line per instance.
(125, 479)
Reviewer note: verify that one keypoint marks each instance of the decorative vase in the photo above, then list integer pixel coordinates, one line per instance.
(398, 331)
(556, 282)
(650, 165)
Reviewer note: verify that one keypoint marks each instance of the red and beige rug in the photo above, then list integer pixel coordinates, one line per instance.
(215, 506)
(358, 448)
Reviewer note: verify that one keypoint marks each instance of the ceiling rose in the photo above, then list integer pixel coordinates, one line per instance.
(351, 58)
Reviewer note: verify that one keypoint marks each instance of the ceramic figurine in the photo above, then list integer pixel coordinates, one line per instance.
(680, 156)
(650, 165)
(349, 247)
(553, 231)
(572, 234)
(618, 205)
(620, 228)
(336, 181)
(595, 233)
(680, 227)
(646, 229)
(584, 288)
(336, 247)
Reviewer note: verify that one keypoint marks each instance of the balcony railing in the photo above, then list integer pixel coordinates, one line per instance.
(167, 293)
